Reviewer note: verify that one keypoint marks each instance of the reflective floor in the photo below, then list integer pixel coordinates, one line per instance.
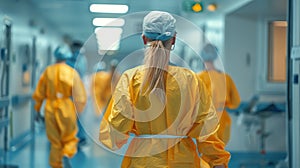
(35, 155)
(256, 160)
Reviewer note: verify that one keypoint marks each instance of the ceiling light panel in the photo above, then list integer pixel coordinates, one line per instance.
(108, 8)
(108, 38)
(108, 22)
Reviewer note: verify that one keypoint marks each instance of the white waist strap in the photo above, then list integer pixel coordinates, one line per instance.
(161, 136)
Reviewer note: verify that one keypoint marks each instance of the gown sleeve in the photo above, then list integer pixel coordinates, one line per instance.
(40, 92)
(233, 99)
(79, 93)
(118, 119)
(205, 129)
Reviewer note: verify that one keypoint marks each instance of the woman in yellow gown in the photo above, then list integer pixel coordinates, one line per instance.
(164, 107)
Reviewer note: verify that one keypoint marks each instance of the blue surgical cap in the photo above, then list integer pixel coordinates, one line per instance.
(61, 53)
(100, 66)
(209, 52)
(159, 25)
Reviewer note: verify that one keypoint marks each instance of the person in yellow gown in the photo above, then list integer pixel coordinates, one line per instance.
(102, 86)
(222, 88)
(61, 87)
(163, 108)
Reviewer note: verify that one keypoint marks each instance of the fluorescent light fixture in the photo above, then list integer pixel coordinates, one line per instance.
(108, 8)
(108, 22)
(108, 38)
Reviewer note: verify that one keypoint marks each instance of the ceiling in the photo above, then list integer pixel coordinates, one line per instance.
(263, 8)
(72, 17)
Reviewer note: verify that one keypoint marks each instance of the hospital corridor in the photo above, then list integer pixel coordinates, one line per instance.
(149, 84)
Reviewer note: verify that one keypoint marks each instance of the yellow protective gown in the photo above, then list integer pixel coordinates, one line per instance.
(101, 90)
(225, 95)
(188, 113)
(56, 85)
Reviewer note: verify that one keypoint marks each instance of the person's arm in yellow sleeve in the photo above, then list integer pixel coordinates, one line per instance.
(79, 93)
(205, 77)
(233, 99)
(209, 145)
(117, 123)
(40, 92)
(213, 151)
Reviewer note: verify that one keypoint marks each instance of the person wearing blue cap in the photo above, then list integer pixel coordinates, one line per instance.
(78, 60)
(79, 63)
(222, 88)
(163, 108)
(57, 84)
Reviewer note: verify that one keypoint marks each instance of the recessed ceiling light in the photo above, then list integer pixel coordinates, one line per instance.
(212, 7)
(108, 22)
(197, 7)
(108, 8)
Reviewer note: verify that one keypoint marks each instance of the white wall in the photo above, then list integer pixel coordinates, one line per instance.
(21, 13)
(242, 55)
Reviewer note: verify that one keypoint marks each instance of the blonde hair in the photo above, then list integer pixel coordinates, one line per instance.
(156, 63)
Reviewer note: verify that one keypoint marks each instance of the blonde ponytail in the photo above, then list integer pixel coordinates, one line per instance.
(156, 64)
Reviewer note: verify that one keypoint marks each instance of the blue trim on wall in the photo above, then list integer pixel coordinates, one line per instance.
(4, 123)
(19, 99)
(4, 102)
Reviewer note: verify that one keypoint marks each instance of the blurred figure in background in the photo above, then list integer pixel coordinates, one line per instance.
(58, 83)
(79, 63)
(222, 88)
(78, 60)
(102, 86)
